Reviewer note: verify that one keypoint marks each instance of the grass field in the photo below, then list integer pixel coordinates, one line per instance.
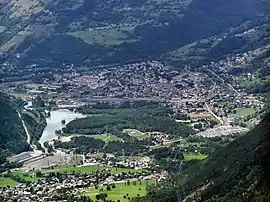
(7, 182)
(105, 137)
(245, 111)
(88, 169)
(120, 190)
(25, 176)
(137, 134)
(194, 156)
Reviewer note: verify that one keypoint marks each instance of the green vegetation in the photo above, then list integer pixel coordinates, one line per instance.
(89, 169)
(27, 177)
(148, 118)
(136, 134)
(113, 129)
(106, 137)
(5, 181)
(122, 191)
(82, 143)
(14, 178)
(104, 37)
(245, 111)
(12, 134)
(194, 156)
(236, 172)
(35, 122)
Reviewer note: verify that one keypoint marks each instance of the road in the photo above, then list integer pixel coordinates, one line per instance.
(211, 112)
(28, 137)
(222, 80)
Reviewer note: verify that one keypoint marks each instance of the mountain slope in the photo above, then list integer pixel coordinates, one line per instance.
(12, 134)
(103, 32)
(237, 172)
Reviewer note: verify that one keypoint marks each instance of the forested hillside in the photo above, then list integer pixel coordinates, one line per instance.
(12, 134)
(237, 172)
(123, 31)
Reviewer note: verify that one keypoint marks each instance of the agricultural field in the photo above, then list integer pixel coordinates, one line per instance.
(136, 134)
(120, 191)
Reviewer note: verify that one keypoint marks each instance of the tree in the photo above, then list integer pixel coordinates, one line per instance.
(101, 196)
(38, 174)
(50, 148)
(63, 122)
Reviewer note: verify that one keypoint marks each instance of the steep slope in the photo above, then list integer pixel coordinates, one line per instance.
(12, 134)
(238, 38)
(238, 172)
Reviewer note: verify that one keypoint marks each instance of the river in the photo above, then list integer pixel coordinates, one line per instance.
(54, 123)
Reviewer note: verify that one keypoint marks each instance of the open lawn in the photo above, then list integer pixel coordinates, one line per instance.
(120, 190)
(88, 169)
(7, 182)
(194, 156)
(137, 134)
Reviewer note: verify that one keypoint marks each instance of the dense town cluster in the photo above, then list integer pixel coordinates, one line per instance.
(54, 185)
(207, 99)
(208, 91)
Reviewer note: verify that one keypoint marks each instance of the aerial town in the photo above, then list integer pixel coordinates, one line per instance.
(206, 102)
